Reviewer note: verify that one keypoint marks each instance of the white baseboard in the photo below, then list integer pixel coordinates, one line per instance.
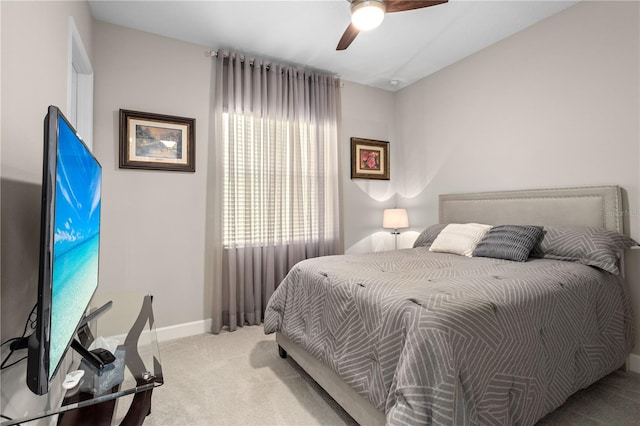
(633, 363)
(183, 330)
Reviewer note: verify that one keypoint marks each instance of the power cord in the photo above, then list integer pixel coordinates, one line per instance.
(18, 343)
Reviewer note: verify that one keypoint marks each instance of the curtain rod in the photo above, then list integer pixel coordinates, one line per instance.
(214, 54)
(250, 61)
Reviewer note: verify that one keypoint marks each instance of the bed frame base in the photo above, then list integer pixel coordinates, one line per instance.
(353, 403)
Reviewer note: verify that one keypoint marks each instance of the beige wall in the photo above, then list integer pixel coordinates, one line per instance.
(367, 113)
(555, 105)
(35, 38)
(34, 58)
(153, 237)
(153, 227)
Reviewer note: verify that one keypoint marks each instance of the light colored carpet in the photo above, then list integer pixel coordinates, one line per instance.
(236, 379)
(239, 379)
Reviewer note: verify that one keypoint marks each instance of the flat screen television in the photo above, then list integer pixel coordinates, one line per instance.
(69, 247)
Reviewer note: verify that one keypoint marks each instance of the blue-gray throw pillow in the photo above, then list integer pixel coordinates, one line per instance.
(427, 236)
(510, 242)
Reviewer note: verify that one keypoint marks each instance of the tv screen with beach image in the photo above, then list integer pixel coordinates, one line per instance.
(76, 239)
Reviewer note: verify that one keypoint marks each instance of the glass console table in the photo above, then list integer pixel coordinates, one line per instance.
(136, 371)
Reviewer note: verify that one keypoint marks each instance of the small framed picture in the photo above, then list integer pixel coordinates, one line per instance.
(157, 142)
(369, 159)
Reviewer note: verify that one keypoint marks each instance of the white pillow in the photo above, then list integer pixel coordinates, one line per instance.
(459, 238)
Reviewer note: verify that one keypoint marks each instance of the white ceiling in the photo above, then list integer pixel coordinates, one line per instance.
(406, 47)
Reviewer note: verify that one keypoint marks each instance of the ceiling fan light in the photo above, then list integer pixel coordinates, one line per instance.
(367, 15)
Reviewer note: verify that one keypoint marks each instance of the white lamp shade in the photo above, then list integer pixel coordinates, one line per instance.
(367, 15)
(395, 218)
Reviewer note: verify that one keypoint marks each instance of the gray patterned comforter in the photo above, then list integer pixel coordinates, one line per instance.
(433, 338)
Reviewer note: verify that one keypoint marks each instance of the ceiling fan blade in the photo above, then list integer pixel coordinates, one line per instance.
(402, 5)
(349, 35)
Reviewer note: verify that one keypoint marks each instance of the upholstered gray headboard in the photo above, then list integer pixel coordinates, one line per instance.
(599, 206)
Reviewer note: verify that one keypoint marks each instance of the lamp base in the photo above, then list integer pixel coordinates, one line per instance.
(395, 233)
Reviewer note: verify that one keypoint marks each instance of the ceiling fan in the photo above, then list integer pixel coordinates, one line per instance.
(368, 14)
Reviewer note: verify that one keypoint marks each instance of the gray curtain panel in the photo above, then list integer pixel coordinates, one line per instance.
(275, 181)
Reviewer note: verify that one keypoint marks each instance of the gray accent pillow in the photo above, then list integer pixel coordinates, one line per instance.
(510, 242)
(427, 236)
(586, 245)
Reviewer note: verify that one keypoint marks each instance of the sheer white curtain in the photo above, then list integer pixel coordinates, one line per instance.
(276, 185)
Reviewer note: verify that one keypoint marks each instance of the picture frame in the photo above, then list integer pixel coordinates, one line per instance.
(157, 142)
(369, 159)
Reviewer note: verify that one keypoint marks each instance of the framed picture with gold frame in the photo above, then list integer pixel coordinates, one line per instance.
(157, 142)
(369, 159)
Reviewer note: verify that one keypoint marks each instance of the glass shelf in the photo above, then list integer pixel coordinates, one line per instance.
(137, 370)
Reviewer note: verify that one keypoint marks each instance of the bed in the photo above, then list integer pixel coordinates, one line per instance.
(416, 337)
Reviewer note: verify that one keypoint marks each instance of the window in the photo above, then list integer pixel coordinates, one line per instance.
(273, 183)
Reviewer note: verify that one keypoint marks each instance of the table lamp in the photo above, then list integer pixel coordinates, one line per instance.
(395, 218)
